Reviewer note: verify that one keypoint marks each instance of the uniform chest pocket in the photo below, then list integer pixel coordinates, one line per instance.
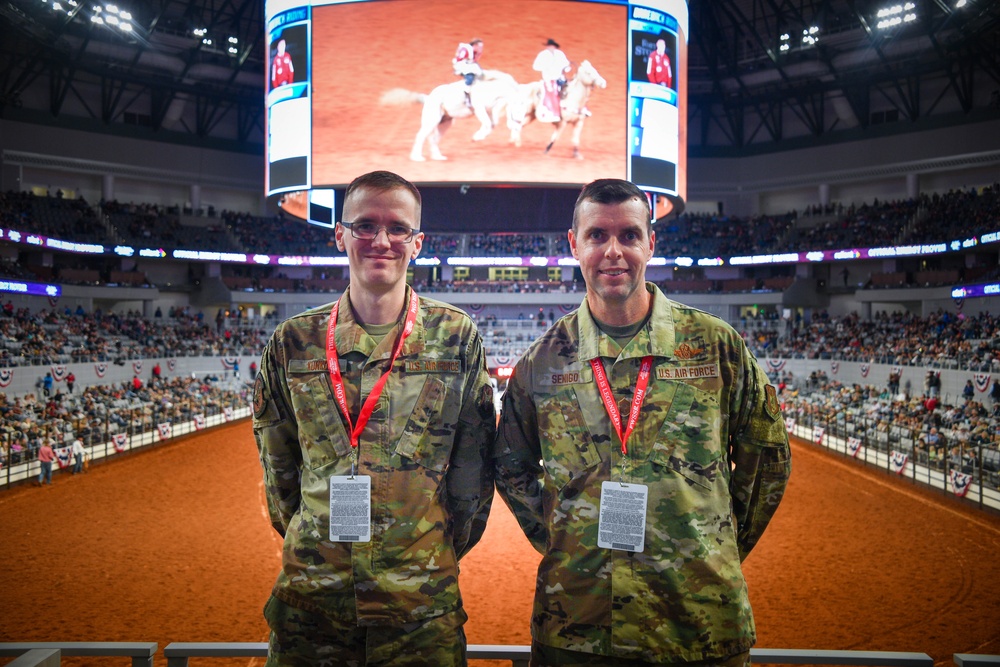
(689, 441)
(322, 435)
(428, 435)
(568, 447)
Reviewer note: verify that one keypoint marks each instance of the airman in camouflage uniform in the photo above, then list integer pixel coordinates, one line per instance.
(393, 600)
(709, 444)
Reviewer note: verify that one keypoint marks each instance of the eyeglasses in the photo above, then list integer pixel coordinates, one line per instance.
(367, 231)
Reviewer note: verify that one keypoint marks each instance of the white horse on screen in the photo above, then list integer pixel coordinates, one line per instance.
(447, 102)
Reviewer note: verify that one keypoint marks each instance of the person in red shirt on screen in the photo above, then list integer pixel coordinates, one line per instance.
(658, 66)
(282, 71)
(466, 64)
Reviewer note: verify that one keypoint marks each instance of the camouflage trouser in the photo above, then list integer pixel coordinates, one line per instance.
(549, 656)
(303, 639)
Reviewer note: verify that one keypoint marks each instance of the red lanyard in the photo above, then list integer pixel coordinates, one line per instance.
(333, 364)
(609, 400)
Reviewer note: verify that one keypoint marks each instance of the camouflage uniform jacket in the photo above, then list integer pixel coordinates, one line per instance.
(711, 447)
(426, 448)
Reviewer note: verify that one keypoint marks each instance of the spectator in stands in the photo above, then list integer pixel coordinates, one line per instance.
(70, 381)
(555, 465)
(47, 384)
(968, 391)
(416, 464)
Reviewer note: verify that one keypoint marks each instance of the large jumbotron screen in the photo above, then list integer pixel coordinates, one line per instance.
(359, 85)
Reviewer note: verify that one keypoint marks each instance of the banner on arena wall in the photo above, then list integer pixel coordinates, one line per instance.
(834, 367)
(137, 367)
(64, 455)
(474, 307)
(789, 425)
(228, 414)
(853, 446)
(100, 368)
(567, 308)
(818, 433)
(6, 376)
(897, 461)
(865, 369)
(59, 372)
(119, 440)
(982, 382)
(171, 365)
(165, 430)
(230, 362)
(960, 483)
(199, 422)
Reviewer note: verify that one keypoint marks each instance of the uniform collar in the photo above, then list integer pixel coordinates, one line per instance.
(656, 338)
(351, 336)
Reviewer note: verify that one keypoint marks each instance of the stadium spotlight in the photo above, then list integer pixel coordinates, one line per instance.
(894, 15)
(111, 9)
(960, 4)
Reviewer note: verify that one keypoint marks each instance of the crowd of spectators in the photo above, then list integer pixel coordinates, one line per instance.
(49, 337)
(277, 235)
(98, 412)
(939, 340)
(962, 434)
(704, 235)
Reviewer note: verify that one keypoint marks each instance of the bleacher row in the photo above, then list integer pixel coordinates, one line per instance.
(929, 218)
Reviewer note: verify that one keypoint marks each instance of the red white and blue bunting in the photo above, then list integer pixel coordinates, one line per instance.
(835, 367)
(199, 422)
(865, 369)
(64, 456)
(960, 482)
(100, 368)
(789, 425)
(59, 372)
(119, 440)
(897, 461)
(776, 365)
(137, 367)
(6, 376)
(853, 446)
(165, 430)
(171, 365)
(818, 433)
(229, 362)
(982, 382)
(227, 413)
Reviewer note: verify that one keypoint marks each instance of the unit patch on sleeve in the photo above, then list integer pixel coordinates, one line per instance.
(771, 402)
(259, 401)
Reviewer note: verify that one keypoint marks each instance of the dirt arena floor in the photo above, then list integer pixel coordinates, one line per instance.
(361, 51)
(172, 544)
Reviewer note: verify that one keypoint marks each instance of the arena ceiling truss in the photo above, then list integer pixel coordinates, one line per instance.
(764, 75)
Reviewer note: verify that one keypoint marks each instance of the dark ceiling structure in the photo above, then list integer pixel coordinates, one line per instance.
(764, 75)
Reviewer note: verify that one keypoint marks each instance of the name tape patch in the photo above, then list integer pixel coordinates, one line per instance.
(435, 366)
(688, 372)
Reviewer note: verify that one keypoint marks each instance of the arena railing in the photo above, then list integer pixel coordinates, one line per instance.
(178, 653)
(47, 654)
(140, 653)
(976, 467)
